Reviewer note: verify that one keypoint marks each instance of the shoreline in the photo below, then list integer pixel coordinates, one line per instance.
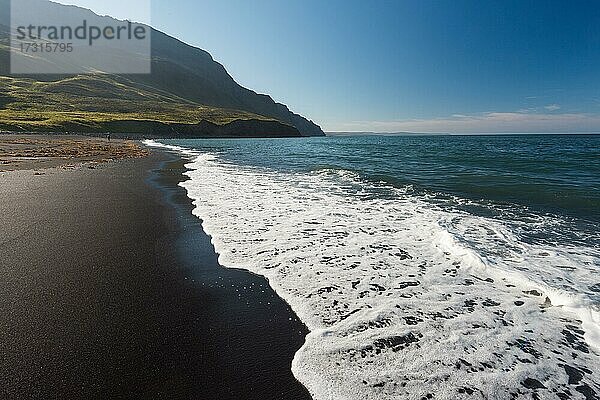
(112, 289)
(365, 321)
(194, 231)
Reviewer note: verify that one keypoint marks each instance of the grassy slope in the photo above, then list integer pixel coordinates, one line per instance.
(90, 100)
(186, 86)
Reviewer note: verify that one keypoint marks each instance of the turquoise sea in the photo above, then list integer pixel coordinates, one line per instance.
(421, 264)
(555, 173)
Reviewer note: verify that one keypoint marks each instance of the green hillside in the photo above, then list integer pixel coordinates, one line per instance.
(89, 101)
(187, 94)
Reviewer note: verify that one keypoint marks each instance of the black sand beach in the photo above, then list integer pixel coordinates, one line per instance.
(109, 289)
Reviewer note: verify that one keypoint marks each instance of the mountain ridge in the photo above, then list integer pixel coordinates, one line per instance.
(186, 75)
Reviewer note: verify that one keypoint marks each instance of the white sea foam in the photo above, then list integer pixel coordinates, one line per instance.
(178, 149)
(405, 299)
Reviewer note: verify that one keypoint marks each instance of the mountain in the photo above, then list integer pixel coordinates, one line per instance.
(187, 94)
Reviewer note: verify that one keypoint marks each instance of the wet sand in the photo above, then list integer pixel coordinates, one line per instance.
(109, 289)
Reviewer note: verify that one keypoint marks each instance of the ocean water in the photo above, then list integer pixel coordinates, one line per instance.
(443, 267)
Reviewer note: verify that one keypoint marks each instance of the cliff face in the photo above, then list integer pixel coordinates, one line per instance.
(153, 129)
(191, 73)
(179, 71)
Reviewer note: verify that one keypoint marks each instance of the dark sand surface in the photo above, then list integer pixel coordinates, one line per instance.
(109, 289)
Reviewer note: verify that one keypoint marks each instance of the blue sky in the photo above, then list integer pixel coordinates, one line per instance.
(427, 66)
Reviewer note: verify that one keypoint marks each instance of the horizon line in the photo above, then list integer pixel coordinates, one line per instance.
(366, 133)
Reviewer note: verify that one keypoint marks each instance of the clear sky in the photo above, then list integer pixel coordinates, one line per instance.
(425, 66)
